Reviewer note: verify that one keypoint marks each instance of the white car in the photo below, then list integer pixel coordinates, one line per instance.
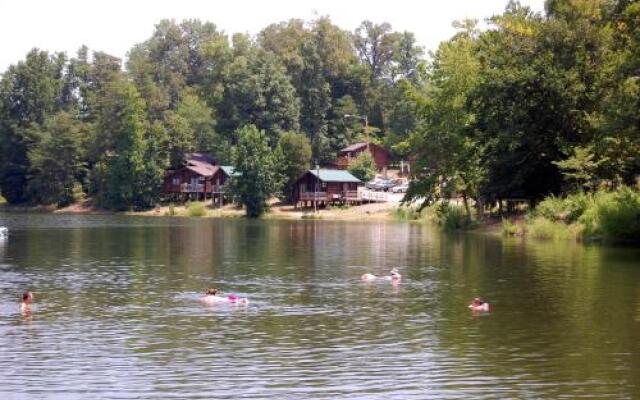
(401, 188)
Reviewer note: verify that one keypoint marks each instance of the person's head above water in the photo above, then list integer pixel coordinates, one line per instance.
(211, 291)
(27, 297)
(395, 275)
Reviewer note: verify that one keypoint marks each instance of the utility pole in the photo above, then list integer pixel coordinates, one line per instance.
(315, 194)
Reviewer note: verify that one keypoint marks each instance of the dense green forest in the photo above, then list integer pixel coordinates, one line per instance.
(535, 104)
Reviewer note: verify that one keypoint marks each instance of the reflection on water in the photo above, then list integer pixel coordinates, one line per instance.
(117, 312)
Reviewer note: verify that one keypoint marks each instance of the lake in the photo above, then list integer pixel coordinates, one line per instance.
(117, 312)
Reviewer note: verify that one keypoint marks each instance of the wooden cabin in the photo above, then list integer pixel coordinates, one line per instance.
(199, 178)
(381, 156)
(219, 190)
(191, 181)
(325, 186)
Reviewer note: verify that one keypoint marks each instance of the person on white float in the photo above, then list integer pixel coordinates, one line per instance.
(394, 276)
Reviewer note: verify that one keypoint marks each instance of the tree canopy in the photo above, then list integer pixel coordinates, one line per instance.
(536, 104)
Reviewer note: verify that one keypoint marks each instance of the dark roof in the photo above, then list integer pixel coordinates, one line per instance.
(199, 157)
(202, 169)
(334, 175)
(355, 146)
(200, 163)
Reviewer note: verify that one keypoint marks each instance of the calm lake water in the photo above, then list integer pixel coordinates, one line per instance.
(117, 312)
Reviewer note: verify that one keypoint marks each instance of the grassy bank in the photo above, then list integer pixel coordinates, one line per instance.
(450, 217)
(603, 215)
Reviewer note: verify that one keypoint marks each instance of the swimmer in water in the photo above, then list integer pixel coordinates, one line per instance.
(211, 297)
(479, 305)
(27, 300)
(394, 276)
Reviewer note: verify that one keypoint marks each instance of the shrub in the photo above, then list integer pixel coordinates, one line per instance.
(543, 228)
(453, 218)
(508, 228)
(196, 209)
(311, 216)
(568, 210)
(406, 214)
(363, 167)
(610, 215)
(615, 215)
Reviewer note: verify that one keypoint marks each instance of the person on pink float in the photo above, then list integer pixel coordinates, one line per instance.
(479, 305)
(211, 297)
(394, 276)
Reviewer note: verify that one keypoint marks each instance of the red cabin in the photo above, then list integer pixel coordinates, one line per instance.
(199, 178)
(381, 156)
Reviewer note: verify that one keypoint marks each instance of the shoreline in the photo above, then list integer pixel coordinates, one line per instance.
(277, 211)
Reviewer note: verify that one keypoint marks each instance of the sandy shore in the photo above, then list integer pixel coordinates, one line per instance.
(368, 212)
(372, 211)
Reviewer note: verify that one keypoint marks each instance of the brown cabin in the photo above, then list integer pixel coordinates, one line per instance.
(381, 156)
(199, 178)
(325, 186)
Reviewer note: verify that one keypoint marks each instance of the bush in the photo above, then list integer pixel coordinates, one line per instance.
(508, 228)
(196, 209)
(453, 218)
(406, 214)
(568, 210)
(614, 215)
(363, 167)
(543, 228)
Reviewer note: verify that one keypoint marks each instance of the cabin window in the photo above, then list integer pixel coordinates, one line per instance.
(176, 181)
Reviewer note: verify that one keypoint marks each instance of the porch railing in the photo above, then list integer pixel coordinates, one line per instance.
(324, 196)
(192, 188)
(313, 196)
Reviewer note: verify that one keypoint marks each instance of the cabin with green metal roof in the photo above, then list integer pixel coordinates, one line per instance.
(326, 186)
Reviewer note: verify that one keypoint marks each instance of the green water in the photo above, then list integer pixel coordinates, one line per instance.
(117, 312)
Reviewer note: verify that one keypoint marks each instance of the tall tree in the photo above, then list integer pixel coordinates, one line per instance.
(29, 92)
(259, 92)
(57, 168)
(258, 177)
(445, 154)
(126, 178)
(294, 155)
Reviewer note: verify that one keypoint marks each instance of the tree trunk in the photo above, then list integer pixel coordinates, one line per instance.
(480, 208)
(465, 201)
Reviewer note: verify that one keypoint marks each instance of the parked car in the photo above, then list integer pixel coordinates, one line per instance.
(385, 185)
(401, 188)
(373, 184)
